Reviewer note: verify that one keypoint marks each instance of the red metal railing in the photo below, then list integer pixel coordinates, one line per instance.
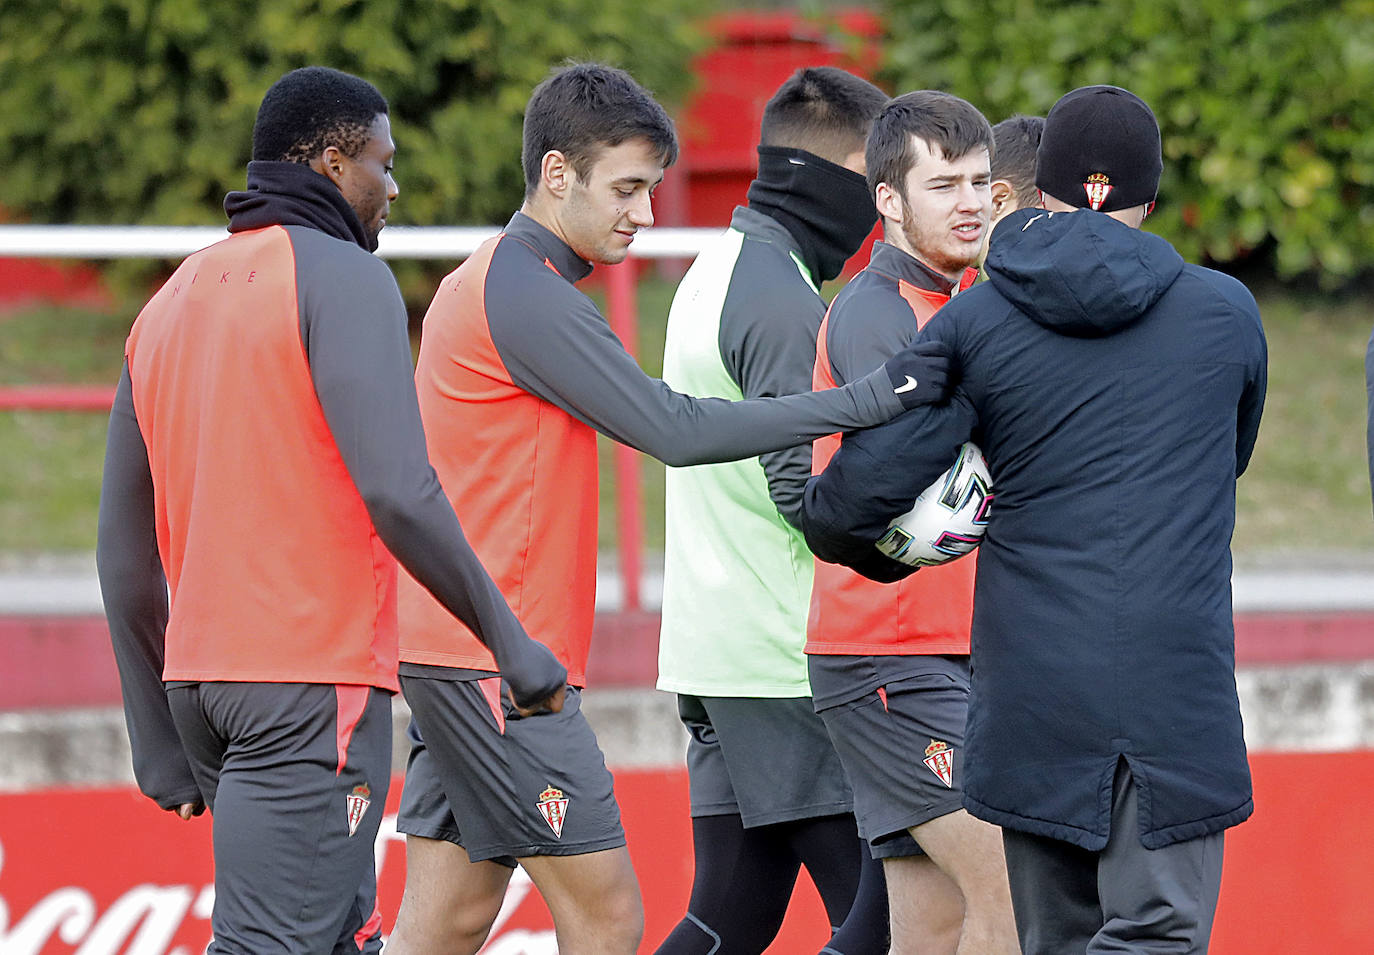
(56, 398)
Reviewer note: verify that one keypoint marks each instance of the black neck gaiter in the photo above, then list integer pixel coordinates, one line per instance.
(289, 193)
(826, 207)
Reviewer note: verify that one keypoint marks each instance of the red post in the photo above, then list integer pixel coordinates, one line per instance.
(56, 398)
(621, 312)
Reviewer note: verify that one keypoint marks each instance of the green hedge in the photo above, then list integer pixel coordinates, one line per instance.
(141, 111)
(1266, 106)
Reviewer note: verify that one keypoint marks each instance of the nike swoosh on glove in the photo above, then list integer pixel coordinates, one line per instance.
(922, 374)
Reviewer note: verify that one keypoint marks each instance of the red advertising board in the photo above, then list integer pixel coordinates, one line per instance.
(99, 872)
(102, 871)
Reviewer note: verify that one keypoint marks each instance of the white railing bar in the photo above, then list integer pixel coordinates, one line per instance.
(397, 242)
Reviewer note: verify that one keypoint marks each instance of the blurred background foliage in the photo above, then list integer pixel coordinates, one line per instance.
(141, 111)
(1265, 107)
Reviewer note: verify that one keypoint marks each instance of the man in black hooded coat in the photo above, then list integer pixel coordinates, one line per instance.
(1116, 392)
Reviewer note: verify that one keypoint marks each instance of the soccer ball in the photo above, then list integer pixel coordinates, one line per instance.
(948, 519)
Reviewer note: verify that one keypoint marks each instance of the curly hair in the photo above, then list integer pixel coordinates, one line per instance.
(312, 108)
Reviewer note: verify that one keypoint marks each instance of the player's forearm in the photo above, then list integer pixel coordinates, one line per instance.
(706, 431)
(875, 476)
(578, 365)
(843, 513)
(134, 591)
(138, 619)
(787, 472)
(422, 532)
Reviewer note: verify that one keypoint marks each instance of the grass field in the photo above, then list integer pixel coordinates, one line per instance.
(1307, 489)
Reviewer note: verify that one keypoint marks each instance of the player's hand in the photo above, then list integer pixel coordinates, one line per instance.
(189, 809)
(921, 374)
(535, 680)
(553, 704)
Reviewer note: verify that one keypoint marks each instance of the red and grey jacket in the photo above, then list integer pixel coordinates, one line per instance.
(265, 461)
(517, 372)
(274, 569)
(875, 316)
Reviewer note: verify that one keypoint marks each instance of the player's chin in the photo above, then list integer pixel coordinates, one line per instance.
(613, 255)
(965, 255)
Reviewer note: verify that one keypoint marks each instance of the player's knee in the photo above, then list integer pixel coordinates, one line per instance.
(606, 931)
(624, 913)
(616, 921)
(448, 928)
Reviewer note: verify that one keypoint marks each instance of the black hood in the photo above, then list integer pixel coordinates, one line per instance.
(1079, 273)
(288, 193)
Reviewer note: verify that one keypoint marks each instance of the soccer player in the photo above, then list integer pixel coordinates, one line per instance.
(265, 459)
(517, 372)
(889, 665)
(1014, 142)
(1116, 392)
(768, 793)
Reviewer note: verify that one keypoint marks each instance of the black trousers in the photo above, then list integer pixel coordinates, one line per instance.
(1125, 898)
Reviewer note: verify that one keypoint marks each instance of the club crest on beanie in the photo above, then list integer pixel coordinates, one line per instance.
(1100, 150)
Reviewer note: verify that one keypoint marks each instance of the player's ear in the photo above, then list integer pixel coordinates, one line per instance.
(1002, 195)
(888, 201)
(330, 163)
(556, 173)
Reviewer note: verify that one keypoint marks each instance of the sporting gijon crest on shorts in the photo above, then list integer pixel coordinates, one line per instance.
(358, 801)
(553, 806)
(940, 759)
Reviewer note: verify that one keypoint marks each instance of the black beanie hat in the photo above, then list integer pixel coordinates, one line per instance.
(1100, 150)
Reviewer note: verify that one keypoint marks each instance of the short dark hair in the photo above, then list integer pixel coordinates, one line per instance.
(823, 110)
(1016, 139)
(941, 119)
(584, 108)
(312, 108)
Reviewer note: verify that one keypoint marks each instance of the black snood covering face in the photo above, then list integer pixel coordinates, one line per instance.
(826, 207)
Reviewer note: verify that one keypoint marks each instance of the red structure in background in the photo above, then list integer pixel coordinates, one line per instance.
(34, 281)
(752, 53)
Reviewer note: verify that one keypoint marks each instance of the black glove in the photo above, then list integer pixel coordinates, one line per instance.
(921, 374)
